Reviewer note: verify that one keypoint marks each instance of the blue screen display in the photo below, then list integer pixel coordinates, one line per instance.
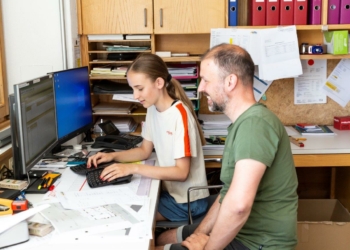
(73, 101)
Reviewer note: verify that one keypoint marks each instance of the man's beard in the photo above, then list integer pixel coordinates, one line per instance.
(215, 107)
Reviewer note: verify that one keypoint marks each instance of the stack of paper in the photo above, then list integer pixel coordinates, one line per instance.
(215, 131)
(214, 124)
(105, 37)
(188, 83)
(121, 71)
(114, 108)
(185, 71)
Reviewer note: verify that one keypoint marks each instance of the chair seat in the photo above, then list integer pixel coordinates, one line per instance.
(175, 224)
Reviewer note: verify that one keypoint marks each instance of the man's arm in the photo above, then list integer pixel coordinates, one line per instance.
(208, 222)
(237, 204)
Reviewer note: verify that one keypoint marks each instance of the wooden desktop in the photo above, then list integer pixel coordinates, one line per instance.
(320, 152)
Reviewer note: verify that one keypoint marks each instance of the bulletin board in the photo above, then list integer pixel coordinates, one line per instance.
(280, 100)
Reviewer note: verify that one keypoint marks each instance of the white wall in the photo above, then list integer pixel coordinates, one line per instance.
(35, 38)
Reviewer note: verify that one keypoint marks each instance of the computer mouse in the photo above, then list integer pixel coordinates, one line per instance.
(107, 150)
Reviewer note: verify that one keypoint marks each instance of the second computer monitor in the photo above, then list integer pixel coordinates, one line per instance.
(73, 102)
(33, 122)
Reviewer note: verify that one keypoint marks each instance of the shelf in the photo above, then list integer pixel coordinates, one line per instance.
(108, 62)
(118, 41)
(137, 111)
(182, 59)
(101, 77)
(119, 52)
(324, 56)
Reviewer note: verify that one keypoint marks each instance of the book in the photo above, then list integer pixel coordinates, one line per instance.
(319, 130)
(306, 125)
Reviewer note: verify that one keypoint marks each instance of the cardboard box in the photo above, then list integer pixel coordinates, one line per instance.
(323, 224)
(13, 184)
(336, 41)
(342, 122)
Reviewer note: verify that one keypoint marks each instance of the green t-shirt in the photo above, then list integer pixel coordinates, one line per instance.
(258, 134)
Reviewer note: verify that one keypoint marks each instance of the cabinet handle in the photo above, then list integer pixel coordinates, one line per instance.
(145, 16)
(161, 17)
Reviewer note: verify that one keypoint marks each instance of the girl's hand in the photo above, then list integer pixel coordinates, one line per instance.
(115, 171)
(98, 158)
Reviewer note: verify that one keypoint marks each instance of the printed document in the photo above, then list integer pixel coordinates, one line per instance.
(275, 50)
(337, 85)
(279, 53)
(308, 86)
(245, 38)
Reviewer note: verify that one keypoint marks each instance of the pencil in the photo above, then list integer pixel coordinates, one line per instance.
(295, 142)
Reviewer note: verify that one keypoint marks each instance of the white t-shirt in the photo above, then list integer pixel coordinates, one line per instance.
(174, 134)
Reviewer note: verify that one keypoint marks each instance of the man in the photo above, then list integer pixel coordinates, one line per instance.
(257, 207)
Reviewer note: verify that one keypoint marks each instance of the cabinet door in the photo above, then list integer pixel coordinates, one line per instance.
(188, 16)
(116, 16)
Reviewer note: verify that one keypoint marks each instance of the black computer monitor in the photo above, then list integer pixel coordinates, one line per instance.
(33, 123)
(73, 103)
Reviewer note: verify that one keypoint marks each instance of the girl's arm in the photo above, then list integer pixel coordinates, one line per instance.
(135, 154)
(179, 172)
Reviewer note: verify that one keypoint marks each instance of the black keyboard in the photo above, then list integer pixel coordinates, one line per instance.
(94, 181)
(81, 169)
(85, 159)
(134, 138)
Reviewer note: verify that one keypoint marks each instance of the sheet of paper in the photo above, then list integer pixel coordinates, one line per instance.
(99, 197)
(73, 221)
(246, 38)
(125, 97)
(279, 53)
(308, 86)
(337, 85)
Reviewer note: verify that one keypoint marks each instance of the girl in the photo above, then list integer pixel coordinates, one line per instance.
(173, 131)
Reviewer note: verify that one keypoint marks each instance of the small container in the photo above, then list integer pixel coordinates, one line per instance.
(304, 48)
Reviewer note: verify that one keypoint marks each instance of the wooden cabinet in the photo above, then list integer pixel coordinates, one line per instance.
(115, 16)
(188, 16)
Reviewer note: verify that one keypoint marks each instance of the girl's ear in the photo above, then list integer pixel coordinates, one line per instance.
(160, 82)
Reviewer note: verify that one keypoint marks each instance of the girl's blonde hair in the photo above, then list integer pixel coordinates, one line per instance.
(153, 67)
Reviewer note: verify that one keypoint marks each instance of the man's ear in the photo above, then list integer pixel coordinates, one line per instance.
(160, 82)
(231, 82)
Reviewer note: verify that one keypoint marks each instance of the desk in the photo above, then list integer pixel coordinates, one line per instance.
(321, 151)
(119, 243)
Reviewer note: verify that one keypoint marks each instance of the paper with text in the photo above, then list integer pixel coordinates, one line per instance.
(308, 86)
(279, 53)
(337, 85)
(245, 38)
